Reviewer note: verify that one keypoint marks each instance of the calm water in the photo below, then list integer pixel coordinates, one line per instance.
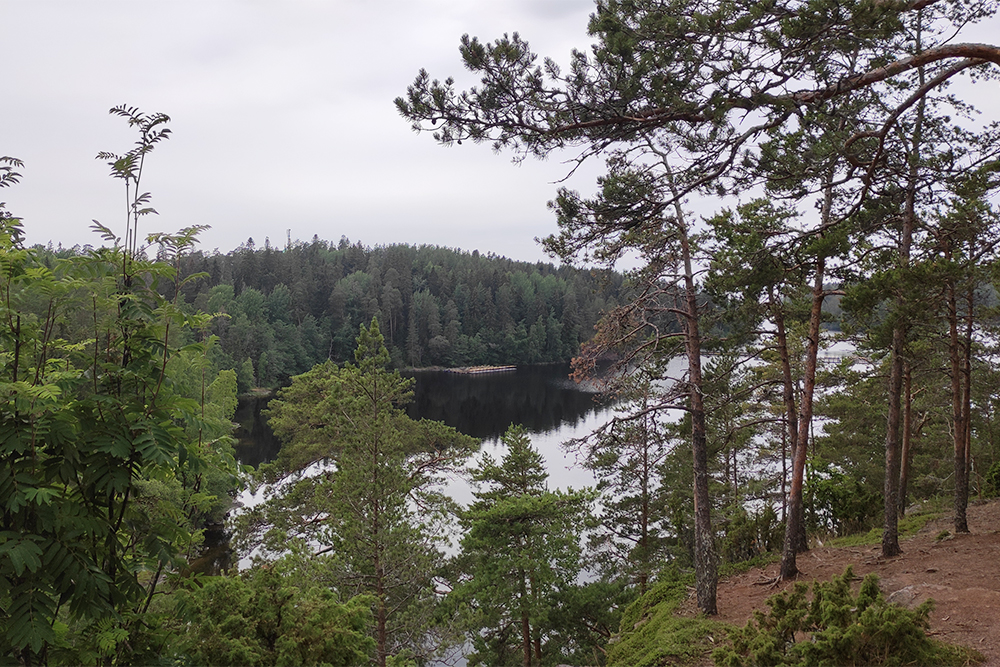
(543, 399)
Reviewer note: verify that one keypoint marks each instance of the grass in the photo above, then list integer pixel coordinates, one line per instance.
(909, 526)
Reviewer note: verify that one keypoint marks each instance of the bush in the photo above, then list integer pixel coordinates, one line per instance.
(840, 503)
(838, 628)
(750, 536)
(991, 481)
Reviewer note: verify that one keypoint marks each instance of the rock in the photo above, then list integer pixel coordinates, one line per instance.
(903, 597)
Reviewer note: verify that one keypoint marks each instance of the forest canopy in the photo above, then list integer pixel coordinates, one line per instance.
(283, 310)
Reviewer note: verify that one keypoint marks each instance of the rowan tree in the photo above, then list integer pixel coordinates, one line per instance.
(100, 461)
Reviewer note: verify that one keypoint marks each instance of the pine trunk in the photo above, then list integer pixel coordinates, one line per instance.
(706, 579)
(795, 519)
(890, 526)
(525, 622)
(907, 455)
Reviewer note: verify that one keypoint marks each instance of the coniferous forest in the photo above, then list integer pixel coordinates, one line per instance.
(283, 310)
(293, 308)
(856, 208)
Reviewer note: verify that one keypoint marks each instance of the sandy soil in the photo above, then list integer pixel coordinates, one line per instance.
(961, 573)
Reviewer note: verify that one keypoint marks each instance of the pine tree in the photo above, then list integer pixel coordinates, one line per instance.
(522, 543)
(359, 482)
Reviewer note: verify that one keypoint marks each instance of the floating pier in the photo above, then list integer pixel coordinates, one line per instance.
(476, 370)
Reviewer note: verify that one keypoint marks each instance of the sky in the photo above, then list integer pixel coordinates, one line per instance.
(282, 119)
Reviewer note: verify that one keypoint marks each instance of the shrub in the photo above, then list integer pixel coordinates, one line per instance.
(838, 628)
(991, 481)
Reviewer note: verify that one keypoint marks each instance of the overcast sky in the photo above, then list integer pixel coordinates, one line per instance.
(282, 119)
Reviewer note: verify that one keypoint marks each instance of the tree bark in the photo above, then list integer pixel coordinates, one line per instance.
(960, 356)
(890, 527)
(706, 578)
(644, 565)
(525, 622)
(788, 384)
(795, 524)
(706, 575)
(906, 456)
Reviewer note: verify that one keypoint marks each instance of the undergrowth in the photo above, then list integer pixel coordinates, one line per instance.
(908, 526)
(838, 628)
(652, 635)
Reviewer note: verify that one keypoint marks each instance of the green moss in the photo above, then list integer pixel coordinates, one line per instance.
(652, 635)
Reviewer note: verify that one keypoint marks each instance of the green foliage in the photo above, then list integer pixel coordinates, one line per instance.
(286, 310)
(270, 615)
(522, 549)
(628, 456)
(652, 635)
(909, 525)
(838, 627)
(100, 463)
(840, 503)
(357, 482)
(748, 536)
(991, 480)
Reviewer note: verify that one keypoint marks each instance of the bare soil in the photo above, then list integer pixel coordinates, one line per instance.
(960, 572)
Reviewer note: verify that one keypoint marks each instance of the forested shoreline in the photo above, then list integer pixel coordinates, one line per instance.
(284, 310)
(734, 441)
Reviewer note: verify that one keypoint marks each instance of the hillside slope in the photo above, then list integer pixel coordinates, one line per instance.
(960, 572)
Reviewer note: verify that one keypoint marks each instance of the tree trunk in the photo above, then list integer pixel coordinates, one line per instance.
(890, 528)
(958, 429)
(525, 622)
(906, 456)
(788, 384)
(381, 643)
(959, 390)
(705, 573)
(795, 524)
(644, 562)
(706, 579)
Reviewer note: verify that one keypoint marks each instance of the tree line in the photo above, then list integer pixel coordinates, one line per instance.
(287, 309)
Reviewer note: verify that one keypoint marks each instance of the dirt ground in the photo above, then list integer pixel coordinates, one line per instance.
(961, 573)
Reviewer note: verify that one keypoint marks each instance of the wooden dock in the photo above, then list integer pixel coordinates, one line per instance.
(476, 370)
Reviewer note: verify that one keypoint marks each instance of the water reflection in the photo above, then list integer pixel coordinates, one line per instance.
(255, 442)
(542, 398)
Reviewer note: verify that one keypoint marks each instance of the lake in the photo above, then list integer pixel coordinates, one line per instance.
(541, 398)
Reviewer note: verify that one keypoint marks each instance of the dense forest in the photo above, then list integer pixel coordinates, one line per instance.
(738, 436)
(290, 309)
(285, 310)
